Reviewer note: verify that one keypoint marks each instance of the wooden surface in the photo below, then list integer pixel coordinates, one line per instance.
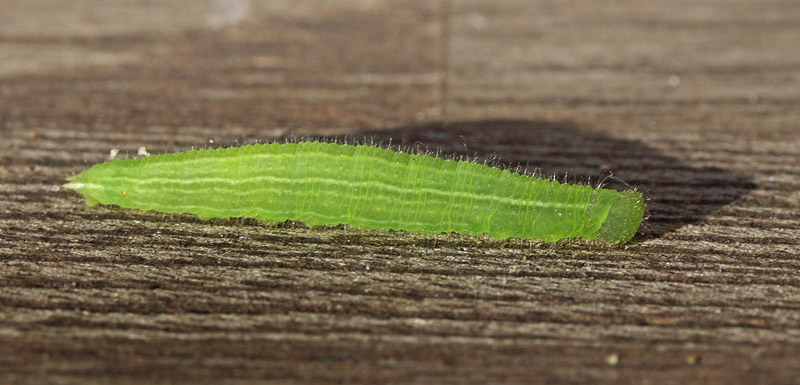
(696, 103)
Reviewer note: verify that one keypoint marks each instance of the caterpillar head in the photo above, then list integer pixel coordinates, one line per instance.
(624, 218)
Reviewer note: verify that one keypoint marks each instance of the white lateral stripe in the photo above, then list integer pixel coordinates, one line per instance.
(337, 182)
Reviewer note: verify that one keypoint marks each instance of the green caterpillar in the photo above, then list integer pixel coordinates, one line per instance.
(365, 187)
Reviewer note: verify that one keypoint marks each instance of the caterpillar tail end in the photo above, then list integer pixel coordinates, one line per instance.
(624, 218)
(74, 183)
(80, 187)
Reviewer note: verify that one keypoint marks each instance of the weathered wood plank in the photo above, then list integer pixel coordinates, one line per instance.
(695, 103)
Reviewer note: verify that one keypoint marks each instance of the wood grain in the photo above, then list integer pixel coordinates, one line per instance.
(695, 103)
